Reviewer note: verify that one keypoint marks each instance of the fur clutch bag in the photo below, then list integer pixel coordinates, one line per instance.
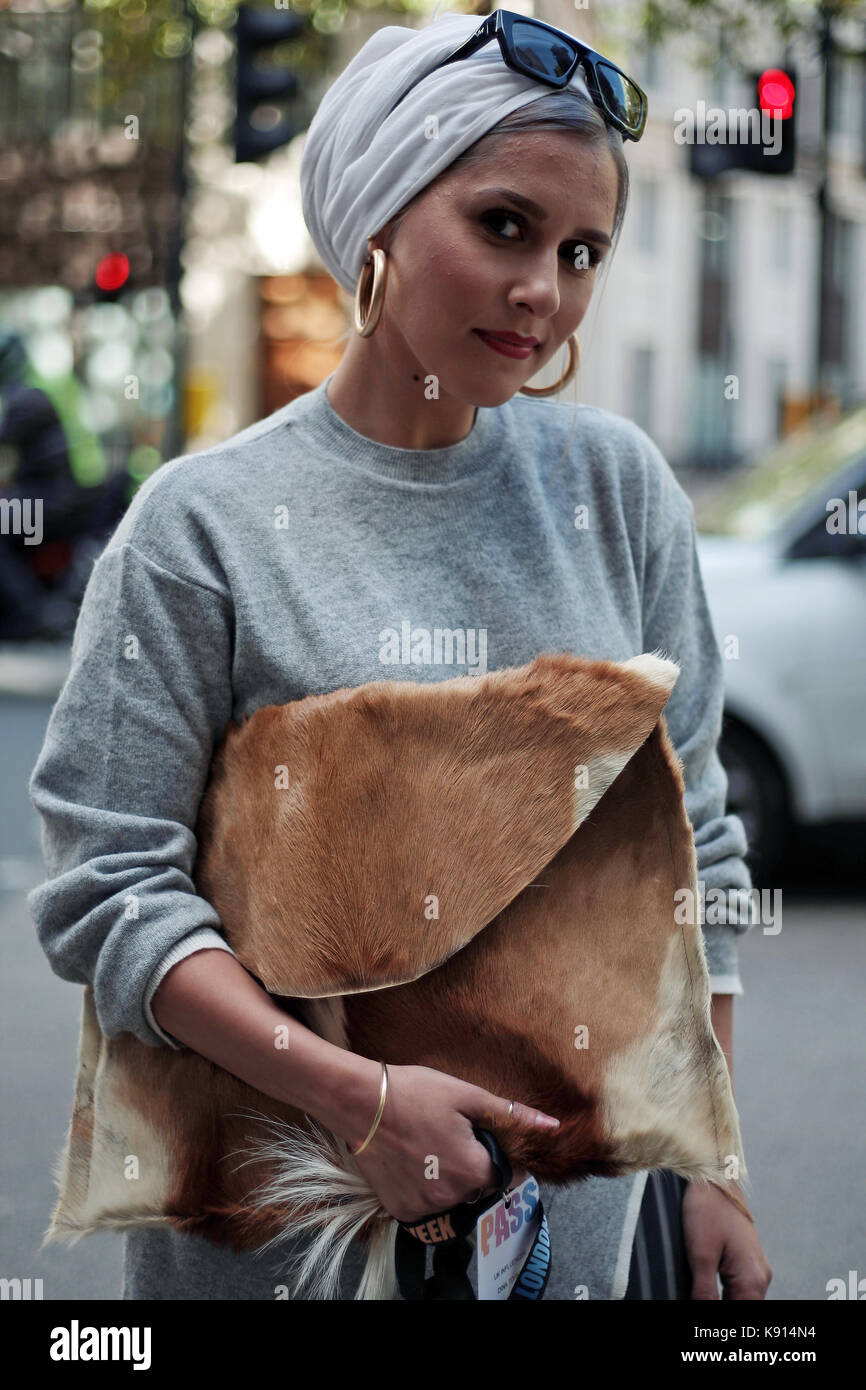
(479, 875)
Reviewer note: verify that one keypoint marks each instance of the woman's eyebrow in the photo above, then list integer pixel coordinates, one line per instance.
(537, 211)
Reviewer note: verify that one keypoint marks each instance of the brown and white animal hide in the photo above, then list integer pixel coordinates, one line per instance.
(476, 875)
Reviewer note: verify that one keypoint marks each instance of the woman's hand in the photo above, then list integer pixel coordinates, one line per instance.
(424, 1156)
(720, 1239)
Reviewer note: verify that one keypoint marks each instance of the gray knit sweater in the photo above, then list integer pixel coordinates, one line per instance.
(298, 557)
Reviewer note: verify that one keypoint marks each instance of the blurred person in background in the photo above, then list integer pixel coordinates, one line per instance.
(54, 466)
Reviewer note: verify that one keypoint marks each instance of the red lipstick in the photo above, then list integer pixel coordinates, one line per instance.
(509, 344)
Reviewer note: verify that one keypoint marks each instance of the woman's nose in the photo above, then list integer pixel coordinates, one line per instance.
(538, 291)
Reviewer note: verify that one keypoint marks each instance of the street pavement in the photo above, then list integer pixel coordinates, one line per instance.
(798, 1068)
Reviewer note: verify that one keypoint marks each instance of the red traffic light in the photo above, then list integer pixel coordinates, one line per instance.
(776, 92)
(112, 272)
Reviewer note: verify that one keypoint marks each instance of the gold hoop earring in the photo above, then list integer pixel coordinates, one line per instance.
(573, 364)
(365, 323)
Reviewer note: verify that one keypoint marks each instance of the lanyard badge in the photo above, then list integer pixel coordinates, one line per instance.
(512, 1245)
(508, 1236)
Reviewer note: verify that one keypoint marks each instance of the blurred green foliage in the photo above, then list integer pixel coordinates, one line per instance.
(736, 19)
(127, 35)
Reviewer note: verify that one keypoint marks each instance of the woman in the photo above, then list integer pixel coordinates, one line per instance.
(416, 486)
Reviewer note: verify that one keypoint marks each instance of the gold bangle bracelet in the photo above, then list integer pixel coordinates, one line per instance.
(382, 1094)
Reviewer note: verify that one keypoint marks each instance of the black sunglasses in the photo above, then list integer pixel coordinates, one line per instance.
(538, 50)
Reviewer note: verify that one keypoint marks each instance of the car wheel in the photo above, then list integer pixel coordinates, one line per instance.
(758, 794)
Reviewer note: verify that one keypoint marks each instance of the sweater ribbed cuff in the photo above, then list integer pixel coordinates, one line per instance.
(203, 938)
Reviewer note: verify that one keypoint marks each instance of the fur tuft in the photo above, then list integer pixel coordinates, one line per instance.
(325, 1198)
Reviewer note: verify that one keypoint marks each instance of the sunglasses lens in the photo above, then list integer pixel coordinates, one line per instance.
(540, 52)
(622, 97)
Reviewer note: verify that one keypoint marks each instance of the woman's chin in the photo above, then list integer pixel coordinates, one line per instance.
(486, 390)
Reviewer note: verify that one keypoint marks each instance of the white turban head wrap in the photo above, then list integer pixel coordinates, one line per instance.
(360, 166)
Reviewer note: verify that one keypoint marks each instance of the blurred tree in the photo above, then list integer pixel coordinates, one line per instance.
(743, 21)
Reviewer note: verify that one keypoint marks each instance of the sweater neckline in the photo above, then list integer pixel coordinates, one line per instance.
(447, 466)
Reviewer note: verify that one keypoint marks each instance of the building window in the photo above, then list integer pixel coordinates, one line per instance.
(713, 415)
(779, 250)
(650, 66)
(846, 95)
(642, 384)
(777, 383)
(647, 215)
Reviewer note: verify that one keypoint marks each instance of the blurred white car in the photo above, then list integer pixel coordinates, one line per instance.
(783, 556)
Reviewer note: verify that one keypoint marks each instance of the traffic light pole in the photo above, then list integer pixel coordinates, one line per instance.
(174, 440)
(826, 46)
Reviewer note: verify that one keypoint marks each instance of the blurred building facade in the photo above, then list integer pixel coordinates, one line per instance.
(704, 330)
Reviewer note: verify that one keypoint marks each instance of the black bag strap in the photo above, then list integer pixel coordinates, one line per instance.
(449, 1233)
